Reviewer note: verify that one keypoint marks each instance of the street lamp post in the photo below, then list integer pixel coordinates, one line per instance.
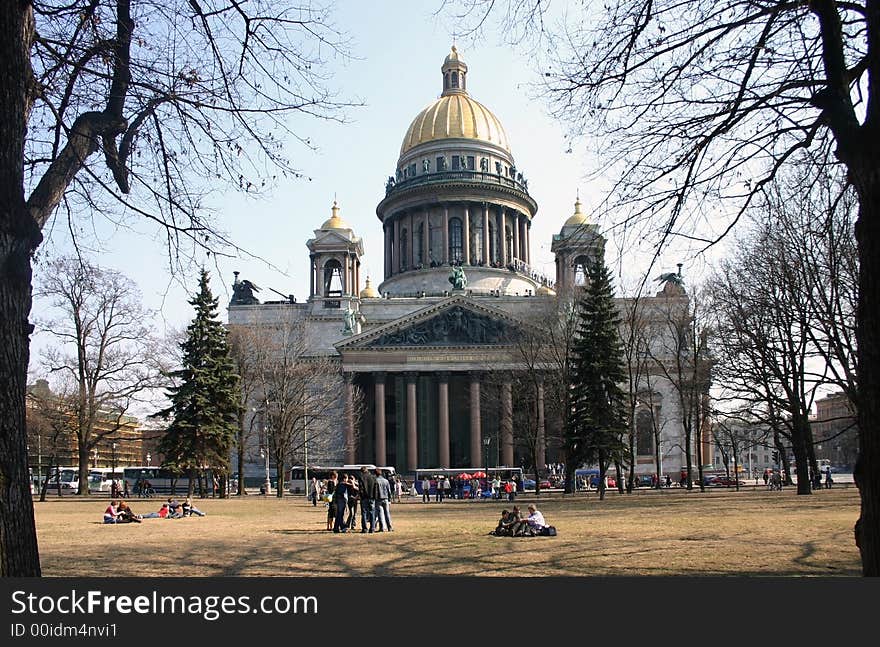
(487, 440)
(113, 468)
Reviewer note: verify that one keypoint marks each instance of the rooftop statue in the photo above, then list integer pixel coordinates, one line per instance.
(243, 293)
(670, 277)
(457, 278)
(348, 321)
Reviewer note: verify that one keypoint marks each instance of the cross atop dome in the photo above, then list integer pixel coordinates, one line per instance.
(454, 72)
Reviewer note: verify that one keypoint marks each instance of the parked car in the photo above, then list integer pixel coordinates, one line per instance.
(643, 480)
(725, 481)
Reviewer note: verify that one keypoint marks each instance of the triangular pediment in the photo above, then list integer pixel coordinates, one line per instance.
(333, 237)
(454, 322)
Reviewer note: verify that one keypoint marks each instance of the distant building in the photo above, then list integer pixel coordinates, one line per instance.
(835, 430)
(52, 433)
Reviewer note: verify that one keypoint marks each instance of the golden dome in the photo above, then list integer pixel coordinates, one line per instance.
(578, 217)
(544, 291)
(369, 292)
(335, 222)
(455, 115)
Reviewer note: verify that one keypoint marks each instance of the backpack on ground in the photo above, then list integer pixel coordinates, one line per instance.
(548, 531)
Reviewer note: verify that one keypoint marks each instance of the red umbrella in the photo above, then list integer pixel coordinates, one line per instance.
(479, 475)
(464, 475)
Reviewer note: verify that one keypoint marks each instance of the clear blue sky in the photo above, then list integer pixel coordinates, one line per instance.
(399, 48)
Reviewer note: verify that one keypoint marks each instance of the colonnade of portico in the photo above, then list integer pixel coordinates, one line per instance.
(431, 389)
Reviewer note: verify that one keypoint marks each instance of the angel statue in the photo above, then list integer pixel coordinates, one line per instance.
(457, 278)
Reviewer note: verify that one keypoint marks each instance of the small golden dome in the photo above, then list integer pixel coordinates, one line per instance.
(578, 217)
(369, 292)
(544, 291)
(335, 222)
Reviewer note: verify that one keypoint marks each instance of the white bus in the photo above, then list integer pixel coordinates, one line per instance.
(67, 477)
(296, 477)
(101, 478)
(145, 480)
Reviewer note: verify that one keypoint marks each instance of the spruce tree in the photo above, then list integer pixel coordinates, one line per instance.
(598, 417)
(206, 399)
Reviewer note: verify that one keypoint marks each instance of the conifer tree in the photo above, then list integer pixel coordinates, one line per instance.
(205, 400)
(598, 417)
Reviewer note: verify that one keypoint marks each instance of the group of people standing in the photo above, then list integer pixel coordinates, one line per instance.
(368, 490)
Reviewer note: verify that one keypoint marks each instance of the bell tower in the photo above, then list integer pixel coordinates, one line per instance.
(335, 264)
(576, 246)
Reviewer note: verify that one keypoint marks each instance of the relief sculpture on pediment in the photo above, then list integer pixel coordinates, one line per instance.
(454, 327)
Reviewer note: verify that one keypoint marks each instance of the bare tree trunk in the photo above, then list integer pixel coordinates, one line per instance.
(867, 470)
(19, 236)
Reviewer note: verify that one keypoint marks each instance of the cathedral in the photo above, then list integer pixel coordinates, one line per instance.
(427, 352)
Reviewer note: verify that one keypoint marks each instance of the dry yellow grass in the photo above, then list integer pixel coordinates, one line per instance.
(754, 532)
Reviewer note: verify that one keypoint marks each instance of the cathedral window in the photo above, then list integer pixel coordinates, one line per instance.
(580, 270)
(470, 162)
(455, 79)
(644, 433)
(456, 248)
(456, 162)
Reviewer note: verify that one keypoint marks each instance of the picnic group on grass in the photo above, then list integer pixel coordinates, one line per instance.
(119, 512)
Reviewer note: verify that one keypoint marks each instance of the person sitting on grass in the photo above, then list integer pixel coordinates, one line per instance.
(532, 525)
(189, 509)
(125, 514)
(503, 529)
(175, 509)
(111, 513)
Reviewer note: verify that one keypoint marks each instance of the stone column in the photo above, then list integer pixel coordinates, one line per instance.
(312, 276)
(445, 255)
(443, 420)
(528, 227)
(411, 243)
(387, 231)
(346, 274)
(503, 238)
(541, 446)
(412, 448)
(395, 267)
(516, 251)
(506, 424)
(467, 236)
(426, 240)
(486, 260)
(349, 447)
(476, 434)
(357, 278)
(380, 418)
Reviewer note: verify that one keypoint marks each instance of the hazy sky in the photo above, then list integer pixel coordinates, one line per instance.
(398, 48)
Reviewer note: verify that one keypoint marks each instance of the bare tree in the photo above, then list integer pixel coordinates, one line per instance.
(247, 353)
(179, 97)
(106, 349)
(701, 104)
(297, 396)
(51, 429)
(680, 355)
